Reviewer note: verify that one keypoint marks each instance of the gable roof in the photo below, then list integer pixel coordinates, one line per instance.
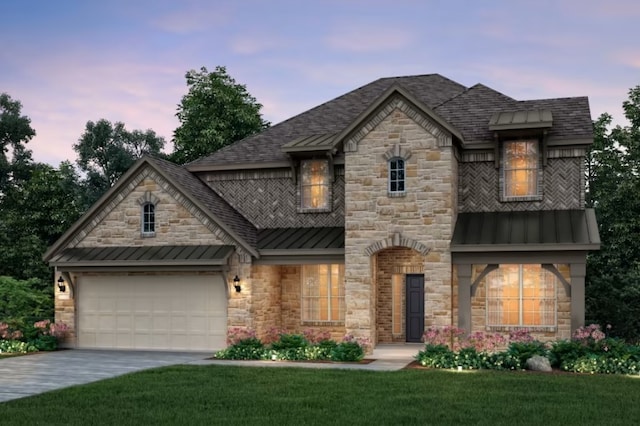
(330, 117)
(467, 110)
(192, 188)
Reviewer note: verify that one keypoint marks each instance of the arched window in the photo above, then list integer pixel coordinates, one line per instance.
(396, 176)
(148, 219)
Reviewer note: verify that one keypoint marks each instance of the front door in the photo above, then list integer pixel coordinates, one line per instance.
(415, 307)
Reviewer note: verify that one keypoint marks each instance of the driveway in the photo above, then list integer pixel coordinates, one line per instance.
(44, 371)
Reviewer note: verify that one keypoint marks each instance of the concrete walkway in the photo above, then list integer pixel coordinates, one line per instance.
(42, 372)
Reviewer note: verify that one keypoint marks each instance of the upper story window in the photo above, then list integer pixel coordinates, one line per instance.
(396, 176)
(315, 185)
(148, 219)
(521, 167)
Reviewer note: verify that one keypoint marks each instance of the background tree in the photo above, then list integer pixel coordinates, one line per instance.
(214, 113)
(106, 151)
(15, 132)
(613, 182)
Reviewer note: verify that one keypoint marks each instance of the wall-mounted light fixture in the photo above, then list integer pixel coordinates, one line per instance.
(61, 285)
(236, 284)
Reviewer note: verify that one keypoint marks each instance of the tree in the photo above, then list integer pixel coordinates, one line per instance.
(15, 132)
(105, 151)
(214, 113)
(613, 183)
(33, 215)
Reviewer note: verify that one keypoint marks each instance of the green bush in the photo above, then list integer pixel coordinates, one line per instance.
(251, 348)
(347, 352)
(525, 350)
(289, 341)
(22, 303)
(16, 347)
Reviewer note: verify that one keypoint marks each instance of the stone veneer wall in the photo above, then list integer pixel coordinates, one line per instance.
(425, 214)
(175, 225)
(478, 309)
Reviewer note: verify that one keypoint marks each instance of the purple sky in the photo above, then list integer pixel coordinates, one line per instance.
(71, 61)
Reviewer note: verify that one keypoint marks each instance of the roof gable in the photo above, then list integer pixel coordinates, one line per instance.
(194, 193)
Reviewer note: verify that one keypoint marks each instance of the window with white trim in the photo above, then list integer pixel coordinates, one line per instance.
(396, 175)
(148, 219)
(323, 293)
(521, 164)
(315, 185)
(521, 296)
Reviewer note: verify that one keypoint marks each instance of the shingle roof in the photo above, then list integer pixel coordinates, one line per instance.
(211, 200)
(330, 117)
(468, 110)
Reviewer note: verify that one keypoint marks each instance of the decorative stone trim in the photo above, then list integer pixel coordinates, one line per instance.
(148, 197)
(444, 138)
(475, 157)
(397, 240)
(397, 152)
(566, 152)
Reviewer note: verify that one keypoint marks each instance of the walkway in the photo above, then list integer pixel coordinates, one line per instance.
(45, 371)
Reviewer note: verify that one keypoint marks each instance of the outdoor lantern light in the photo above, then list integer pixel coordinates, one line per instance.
(61, 285)
(236, 284)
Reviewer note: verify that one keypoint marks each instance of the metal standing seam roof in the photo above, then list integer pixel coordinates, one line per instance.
(198, 255)
(526, 231)
(532, 119)
(330, 238)
(311, 143)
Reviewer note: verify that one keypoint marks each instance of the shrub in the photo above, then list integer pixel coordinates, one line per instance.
(289, 341)
(522, 351)
(447, 336)
(349, 351)
(21, 301)
(436, 356)
(16, 347)
(249, 348)
(237, 334)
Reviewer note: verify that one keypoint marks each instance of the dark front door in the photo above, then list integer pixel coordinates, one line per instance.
(415, 307)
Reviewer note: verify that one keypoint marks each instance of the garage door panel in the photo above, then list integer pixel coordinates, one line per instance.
(152, 312)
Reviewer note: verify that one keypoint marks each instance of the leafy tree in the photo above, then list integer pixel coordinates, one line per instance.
(613, 182)
(15, 132)
(214, 113)
(106, 151)
(33, 215)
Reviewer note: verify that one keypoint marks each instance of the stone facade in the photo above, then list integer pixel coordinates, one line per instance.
(120, 225)
(424, 214)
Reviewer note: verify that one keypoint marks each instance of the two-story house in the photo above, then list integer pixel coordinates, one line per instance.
(407, 203)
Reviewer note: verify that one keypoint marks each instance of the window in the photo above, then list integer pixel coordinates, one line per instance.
(521, 169)
(315, 184)
(323, 293)
(396, 175)
(148, 219)
(521, 296)
(397, 293)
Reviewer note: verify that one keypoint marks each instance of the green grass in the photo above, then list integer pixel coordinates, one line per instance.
(211, 395)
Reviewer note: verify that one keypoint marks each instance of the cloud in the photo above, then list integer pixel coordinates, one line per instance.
(369, 38)
(626, 57)
(192, 16)
(252, 44)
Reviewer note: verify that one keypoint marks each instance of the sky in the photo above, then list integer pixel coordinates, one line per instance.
(73, 61)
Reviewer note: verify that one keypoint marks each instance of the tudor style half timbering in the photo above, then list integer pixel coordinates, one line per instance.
(406, 203)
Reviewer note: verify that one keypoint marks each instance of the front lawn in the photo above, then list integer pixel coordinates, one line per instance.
(188, 395)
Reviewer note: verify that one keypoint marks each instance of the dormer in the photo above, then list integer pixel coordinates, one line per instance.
(520, 152)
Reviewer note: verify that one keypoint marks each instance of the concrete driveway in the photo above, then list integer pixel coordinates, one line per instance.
(41, 372)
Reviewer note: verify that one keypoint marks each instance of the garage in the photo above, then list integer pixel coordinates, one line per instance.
(152, 312)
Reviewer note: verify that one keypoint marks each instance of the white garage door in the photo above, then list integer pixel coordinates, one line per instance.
(164, 312)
